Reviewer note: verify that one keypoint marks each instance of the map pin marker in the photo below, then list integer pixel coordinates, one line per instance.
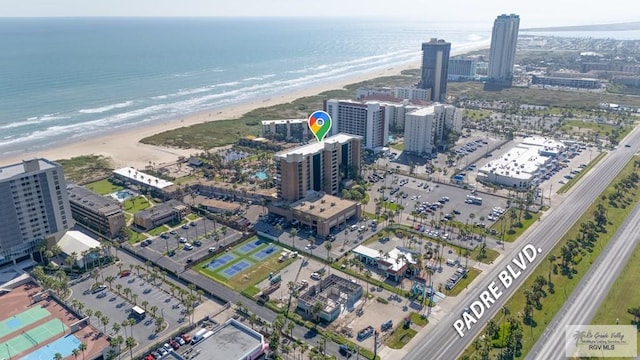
(320, 124)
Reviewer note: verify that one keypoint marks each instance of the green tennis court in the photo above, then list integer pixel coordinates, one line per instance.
(21, 320)
(32, 338)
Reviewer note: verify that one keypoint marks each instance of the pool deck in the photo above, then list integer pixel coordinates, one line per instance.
(20, 299)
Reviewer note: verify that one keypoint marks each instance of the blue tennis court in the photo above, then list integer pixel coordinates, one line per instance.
(235, 268)
(264, 253)
(64, 346)
(221, 261)
(250, 246)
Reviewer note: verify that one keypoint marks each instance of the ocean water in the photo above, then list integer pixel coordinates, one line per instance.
(67, 78)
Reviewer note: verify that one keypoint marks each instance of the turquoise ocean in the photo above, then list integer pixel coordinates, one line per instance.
(65, 79)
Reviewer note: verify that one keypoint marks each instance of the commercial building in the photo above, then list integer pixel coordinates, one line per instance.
(132, 177)
(356, 118)
(35, 207)
(99, 213)
(580, 83)
(322, 212)
(525, 165)
(292, 130)
(426, 129)
(83, 248)
(502, 53)
(219, 206)
(172, 211)
(325, 166)
(435, 63)
(394, 264)
(400, 93)
(334, 293)
(461, 69)
(231, 341)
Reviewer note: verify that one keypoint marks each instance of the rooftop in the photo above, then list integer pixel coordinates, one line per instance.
(89, 199)
(160, 210)
(138, 176)
(321, 205)
(75, 241)
(524, 159)
(423, 111)
(26, 166)
(232, 341)
(388, 258)
(330, 291)
(316, 147)
(231, 206)
(283, 121)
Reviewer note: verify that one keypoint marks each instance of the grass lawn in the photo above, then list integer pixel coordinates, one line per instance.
(399, 147)
(184, 179)
(135, 237)
(103, 187)
(418, 319)
(400, 337)
(510, 235)
(582, 173)
(624, 294)
(389, 205)
(491, 255)
(193, 217)
(562, 284)
(135, 204)
(158, 230)
(468, 279)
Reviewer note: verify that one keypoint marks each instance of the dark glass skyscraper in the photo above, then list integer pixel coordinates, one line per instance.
(504, 39)
(435, 62)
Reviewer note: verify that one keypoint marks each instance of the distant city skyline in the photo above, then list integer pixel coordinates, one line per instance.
(533, 14)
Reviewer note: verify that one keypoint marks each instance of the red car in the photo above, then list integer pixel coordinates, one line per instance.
(149, 357)
(125, 273)
(186, 338)
(174, 344)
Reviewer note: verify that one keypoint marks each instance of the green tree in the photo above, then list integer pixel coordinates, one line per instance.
(82, 347)
(130, 342)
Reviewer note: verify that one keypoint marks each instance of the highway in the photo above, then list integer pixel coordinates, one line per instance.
(592, 290)
(443, 341)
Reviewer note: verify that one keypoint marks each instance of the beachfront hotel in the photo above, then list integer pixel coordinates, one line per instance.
(435, 64)
(319, 166)
(290, 130)
(366, 120)
(99, 213)
(502, 54)
(426, 129)
(35, 207)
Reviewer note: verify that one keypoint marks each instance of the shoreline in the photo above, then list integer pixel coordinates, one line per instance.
(123, 147)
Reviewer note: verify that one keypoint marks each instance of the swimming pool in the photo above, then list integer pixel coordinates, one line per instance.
(124, 194)
(261, 175)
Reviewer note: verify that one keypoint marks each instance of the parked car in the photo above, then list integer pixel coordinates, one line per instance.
(212, 249)
(182, 240)
(345, 351)
(188, 246)
(185, 226)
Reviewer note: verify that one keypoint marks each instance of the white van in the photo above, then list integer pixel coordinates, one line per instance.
(354, 227)
(450, 262)
(198, 336)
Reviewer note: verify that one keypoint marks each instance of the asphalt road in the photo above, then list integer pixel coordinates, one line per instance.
(586, 298)
(443, 341)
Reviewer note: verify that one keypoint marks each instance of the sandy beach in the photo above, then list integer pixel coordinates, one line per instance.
(124, 147)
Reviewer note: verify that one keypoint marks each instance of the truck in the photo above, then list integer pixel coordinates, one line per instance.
(471, 199)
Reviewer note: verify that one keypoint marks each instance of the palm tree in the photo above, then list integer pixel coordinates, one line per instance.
(57, 356)
(116, 327)
(124, 325)
(131, 323)
(328, 246)
(144, 304)
(75, 353)
(131, 342)
(315, 310)
(134, 297)
(294, 233)
(82, 347)
(105, 322)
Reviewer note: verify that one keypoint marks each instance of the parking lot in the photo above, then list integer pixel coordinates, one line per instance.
(118, 309)
(192, 240)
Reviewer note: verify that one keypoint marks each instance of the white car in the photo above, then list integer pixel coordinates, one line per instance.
(183, 240)
(212, 249)
(188, 246)
(315, 276)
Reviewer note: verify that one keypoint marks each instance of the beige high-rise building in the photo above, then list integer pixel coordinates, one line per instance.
(426, 129)
(318, 166)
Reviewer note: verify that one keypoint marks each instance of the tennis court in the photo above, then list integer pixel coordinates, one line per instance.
(235, 268)
(264, 253)
(221, 261)
(250, 246)
(64, 346)
(31, 338)
(21, 320)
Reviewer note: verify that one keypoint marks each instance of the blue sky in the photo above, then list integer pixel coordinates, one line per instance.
(532, 12)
